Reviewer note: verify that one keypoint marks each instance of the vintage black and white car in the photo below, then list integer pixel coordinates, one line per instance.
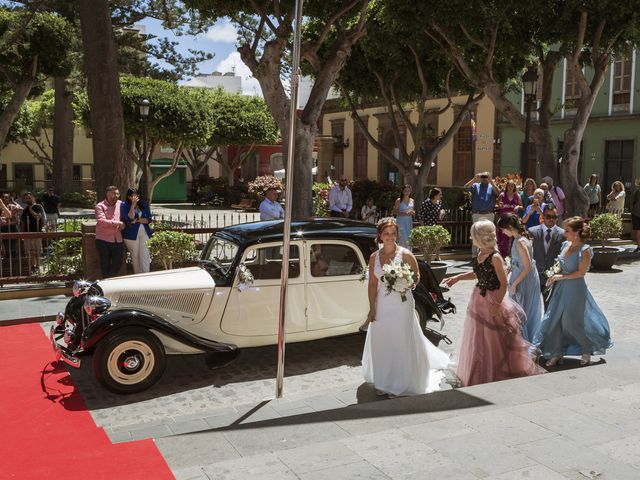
(229, 301)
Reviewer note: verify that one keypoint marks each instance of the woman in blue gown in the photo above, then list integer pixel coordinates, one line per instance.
(573, 323)
(404, 210)
(524, 282)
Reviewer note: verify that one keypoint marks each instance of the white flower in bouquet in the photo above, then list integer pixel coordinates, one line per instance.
(398, 277)
(245, 277)
(554, 270)
(507, 263)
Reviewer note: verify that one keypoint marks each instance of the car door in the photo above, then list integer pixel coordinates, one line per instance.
(255, 310)
(336, 296)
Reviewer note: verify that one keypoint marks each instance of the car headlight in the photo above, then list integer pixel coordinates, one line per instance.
(95, 305)
(80, 287)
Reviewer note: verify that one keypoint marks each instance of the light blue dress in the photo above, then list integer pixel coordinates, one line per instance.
(573, 323)
(405, 223)
(528, 290)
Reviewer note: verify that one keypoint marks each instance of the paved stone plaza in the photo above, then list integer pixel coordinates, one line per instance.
(224, 424)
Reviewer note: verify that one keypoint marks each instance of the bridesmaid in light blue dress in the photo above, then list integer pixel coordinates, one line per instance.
(524, 282)
(404, 210)
(573, 323)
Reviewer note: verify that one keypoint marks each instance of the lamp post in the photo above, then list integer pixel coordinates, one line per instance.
(529, 86)
(143, 109)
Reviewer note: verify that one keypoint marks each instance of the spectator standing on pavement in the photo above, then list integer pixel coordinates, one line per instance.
(369, 212)
(270, 208)
(558, 197)
(109, 228)
(594, 194)
(616, 198)
(9, 223)
(33, 220)
(136, 213)
(431, 212)
(483, 200)
(533, 213)
(404, 211)
(340, 199)
(526, 196)
(51, 204)
(508, 203)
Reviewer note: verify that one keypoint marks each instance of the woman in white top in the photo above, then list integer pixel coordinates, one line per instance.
(616, 198)
(369, 212)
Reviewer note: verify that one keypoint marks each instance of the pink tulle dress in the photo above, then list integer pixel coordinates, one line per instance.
(492, 348)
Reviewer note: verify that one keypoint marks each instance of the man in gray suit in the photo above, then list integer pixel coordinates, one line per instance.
(547, 240)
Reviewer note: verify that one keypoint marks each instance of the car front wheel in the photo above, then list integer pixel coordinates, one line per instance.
(129, 360)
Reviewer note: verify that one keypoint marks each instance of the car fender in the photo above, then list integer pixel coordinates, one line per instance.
(130, 317)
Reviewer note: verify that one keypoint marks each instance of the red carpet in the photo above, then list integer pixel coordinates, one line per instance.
(46, 430)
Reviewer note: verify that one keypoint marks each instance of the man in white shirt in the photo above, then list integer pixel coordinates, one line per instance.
(270, 209)
(340, 200)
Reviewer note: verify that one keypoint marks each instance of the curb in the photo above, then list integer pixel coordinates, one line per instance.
(27, 320)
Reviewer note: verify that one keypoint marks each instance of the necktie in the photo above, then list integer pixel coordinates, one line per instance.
(547, 237)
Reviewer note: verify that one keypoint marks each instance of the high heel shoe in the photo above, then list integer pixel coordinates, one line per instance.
(585, 360)
(552, 362)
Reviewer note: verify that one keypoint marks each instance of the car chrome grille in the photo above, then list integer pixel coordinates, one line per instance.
(186, 302)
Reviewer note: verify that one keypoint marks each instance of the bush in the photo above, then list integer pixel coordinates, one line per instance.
(384, 194)
(65, 257)
(429, 239)
(260, 185)
(168, 247)
(320, 199)
(88, 199)
(605, 226)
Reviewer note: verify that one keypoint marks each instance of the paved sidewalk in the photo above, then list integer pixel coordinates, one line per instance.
(578, 423)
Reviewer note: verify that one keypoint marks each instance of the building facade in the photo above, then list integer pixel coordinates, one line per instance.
(610, 143)
(344, 148)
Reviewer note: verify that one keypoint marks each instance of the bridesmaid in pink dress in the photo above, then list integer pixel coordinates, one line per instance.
(508, 202)
(492, 347)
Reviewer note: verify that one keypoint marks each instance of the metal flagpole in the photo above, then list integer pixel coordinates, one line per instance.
(291, 147)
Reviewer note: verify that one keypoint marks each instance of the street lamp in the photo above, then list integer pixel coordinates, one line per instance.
(143, 109)
(529, 87)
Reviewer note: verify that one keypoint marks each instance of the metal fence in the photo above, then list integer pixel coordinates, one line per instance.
(58, 256)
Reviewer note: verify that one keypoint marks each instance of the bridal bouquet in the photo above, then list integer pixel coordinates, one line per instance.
(554, 270)
(507, 263)
(398, 277)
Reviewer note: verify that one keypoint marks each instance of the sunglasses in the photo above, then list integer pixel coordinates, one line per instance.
(484, 176)
(551, 217)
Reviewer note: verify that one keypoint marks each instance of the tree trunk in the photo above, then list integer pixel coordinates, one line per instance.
(112, 167)
(13, 107)
(576, 202)
(63, 130)
(543, 140)
(303, 164)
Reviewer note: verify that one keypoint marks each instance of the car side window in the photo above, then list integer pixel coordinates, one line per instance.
(333, 260)
(265, 263)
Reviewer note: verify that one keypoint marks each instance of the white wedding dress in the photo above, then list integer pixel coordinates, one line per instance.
(397, 358)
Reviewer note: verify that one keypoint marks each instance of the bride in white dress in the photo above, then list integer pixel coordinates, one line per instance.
(398, 359)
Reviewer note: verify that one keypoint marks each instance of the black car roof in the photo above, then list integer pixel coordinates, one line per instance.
(257, 232)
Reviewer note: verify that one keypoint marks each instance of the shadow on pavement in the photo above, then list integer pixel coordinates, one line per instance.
(571, 364)
(188, 372)
(433, 402)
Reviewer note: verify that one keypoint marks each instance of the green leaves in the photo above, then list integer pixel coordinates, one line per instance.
(605, 226)
(168, 247)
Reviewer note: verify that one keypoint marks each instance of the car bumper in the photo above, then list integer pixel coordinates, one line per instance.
(61, 351)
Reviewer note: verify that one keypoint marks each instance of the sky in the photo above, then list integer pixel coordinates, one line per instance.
(219, 40)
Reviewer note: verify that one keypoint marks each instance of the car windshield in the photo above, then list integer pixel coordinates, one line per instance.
(220, 253)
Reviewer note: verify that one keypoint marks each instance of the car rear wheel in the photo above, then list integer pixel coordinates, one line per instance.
(129, 360)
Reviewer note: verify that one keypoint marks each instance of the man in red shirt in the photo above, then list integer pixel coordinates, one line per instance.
(109, 233)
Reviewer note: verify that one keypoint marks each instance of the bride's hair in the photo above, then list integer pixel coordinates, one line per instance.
(384, 223)
(483, 234)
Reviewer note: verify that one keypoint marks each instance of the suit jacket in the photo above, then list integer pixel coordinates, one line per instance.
(545, 260)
